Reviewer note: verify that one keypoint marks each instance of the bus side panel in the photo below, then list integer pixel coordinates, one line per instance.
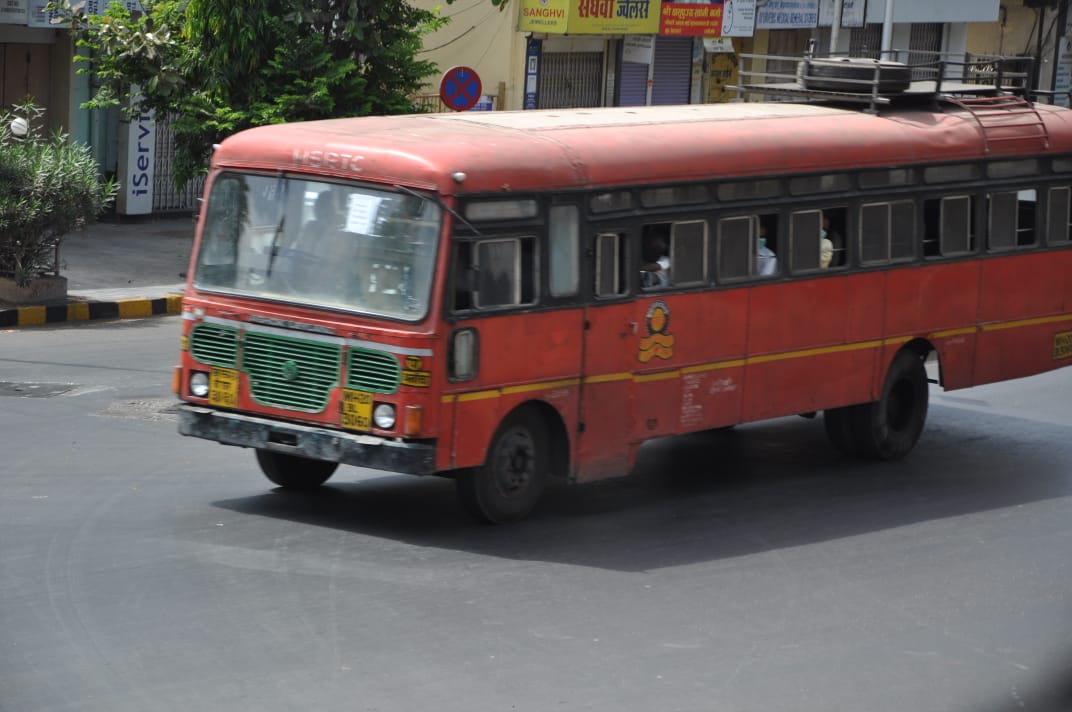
(521, 357)
(608, 408)
(938, 302)
(1025, 309)
(708, 340)
(663, 323)
(812, 344)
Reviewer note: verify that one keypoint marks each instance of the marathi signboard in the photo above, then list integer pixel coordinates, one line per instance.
(702, 19)
(699, 18)
(590, 17)
(14, 12)
(788, 15)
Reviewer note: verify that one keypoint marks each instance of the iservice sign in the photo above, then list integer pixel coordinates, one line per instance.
(137, 154)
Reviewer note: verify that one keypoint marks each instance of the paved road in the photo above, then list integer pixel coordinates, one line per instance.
(750, 570)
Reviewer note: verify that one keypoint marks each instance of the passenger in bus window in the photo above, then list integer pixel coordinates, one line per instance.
(837, 245)
(655, 257)
(766, 260)
(826, 247)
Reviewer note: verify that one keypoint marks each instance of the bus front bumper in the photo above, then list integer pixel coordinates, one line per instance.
(306, 441)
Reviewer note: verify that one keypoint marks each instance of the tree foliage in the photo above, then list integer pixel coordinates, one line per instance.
(215, 68)
(49, 186)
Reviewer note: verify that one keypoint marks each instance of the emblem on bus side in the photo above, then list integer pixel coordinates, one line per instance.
(658, 342)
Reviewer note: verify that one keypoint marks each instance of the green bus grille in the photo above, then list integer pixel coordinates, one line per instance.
(290, 373)
(215, 345)
(373, 371)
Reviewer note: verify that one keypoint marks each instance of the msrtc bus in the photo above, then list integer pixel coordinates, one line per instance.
(470, 294)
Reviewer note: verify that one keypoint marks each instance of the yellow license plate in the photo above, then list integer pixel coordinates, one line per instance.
(356, 410)
(1062, 345)
(223, 387)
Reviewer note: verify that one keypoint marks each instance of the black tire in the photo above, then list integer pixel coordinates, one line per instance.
(889, 428)
(294, 473)
(855, 75)
(509, 483)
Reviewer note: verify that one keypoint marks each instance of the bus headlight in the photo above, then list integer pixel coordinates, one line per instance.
(384, 416)
(199, 384)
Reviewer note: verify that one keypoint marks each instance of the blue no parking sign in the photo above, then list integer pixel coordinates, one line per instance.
(460, 88)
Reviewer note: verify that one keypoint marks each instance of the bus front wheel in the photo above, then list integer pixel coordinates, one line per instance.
(509, 483)
(887, 429)
(294, 473)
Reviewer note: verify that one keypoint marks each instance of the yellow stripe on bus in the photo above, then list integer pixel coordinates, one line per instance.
(1026, 322)
(804, 353)
(748, 361)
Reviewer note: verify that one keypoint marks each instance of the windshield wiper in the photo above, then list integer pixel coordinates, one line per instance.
(440, 203)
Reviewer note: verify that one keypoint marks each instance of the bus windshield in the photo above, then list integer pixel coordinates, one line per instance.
(334, 245)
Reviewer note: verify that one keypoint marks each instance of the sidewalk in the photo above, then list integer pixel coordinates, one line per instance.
(117, 268)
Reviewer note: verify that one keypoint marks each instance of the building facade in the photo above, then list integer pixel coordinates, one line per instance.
(579, 53)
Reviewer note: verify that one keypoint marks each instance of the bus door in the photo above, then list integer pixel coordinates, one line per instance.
(607, 379)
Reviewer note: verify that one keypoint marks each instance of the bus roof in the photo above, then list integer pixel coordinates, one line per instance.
(518, 151)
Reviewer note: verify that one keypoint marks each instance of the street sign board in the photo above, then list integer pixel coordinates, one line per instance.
(460, 88)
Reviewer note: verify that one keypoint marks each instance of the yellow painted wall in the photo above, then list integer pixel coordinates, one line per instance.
(482, 37)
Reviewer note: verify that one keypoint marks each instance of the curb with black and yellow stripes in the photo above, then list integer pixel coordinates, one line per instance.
(85, 311)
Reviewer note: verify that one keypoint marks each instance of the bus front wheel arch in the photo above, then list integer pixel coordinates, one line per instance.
(887, 428)
(294, 473)
(515, 471)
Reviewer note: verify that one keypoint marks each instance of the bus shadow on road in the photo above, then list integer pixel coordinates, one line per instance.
(715, 495)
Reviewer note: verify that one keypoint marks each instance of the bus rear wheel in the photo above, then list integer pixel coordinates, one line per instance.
(888, 429)
(294, 473)
(509, 483)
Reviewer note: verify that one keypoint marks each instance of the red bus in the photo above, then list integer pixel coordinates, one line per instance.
(504, 297)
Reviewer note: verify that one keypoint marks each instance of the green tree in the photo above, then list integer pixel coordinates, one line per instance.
(215, 68)
(48, 187)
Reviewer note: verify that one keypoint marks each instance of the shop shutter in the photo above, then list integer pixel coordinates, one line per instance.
(672, 78)
(633, 84)
(570, 80)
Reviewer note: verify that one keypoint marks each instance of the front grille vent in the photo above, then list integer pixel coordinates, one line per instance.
(373, 371)
(290, 373)
(214, 345)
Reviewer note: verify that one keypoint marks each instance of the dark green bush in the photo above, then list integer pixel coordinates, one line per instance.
(49, 186)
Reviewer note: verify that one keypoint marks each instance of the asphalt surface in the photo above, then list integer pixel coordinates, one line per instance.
(116, 268)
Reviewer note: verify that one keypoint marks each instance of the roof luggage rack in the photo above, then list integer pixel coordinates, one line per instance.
(906, 77)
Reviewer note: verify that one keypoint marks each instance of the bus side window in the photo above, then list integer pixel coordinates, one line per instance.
(804, 234)
(655, 264)
(1058, 217)
(564, 240)
(688, 252)
(463, 276)
(610, 265)
(948, 226)
(1002, 235)
(734, 247)
(1012, 219)
(1026, 210)
(887, 231)
(505, 271)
